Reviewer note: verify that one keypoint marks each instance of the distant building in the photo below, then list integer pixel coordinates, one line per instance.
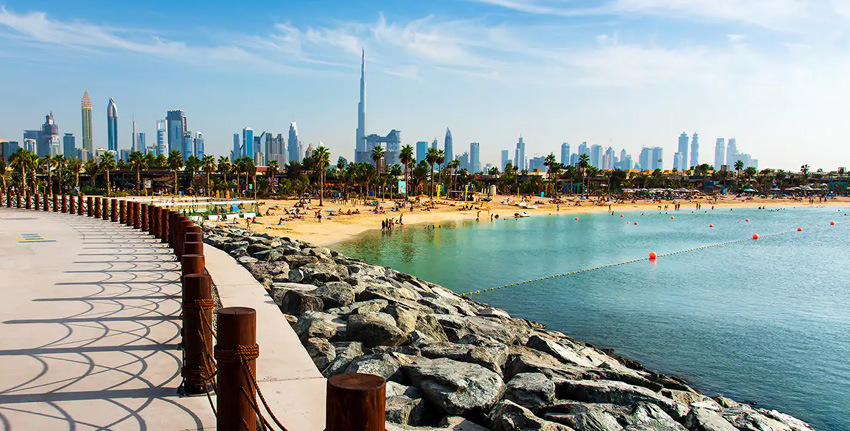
(582, 149)
(309, 152)
(536, 163)
(682, 152)
(87, 131)
(247, 149)
(160, 138)
(694, 150)
(140, 142)
(505, 160)
(177, 127)
(464, 161)
(719, 154)
(644, 158)
(199, 145)
(123, 155)
(447, 146)
(421, 150)
(657, 158)
(475, 157)
(609, 159)
(596, 156)
(292, 146)
(574, 159)
(360, 153)
(47, 139)
(565, 154)
(112, 126)
(731, 153)
(69, 145)
(9, 148)
(391, 144)
(626, 163)
(678, 161)
(188, 145)
(519, 155)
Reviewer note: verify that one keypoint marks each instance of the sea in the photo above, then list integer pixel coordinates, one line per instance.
(763, 321)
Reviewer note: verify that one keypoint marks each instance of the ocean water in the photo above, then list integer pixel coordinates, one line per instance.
(766, 321)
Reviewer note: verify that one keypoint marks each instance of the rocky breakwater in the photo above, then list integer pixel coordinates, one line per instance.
(452, 363)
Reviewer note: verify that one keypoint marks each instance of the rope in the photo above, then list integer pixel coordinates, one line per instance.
(253, 380)
(474, 292)
(232, 356)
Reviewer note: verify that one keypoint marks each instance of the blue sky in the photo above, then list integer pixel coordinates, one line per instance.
(624, 73)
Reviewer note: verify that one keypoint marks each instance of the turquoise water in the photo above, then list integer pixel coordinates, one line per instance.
(764, 321)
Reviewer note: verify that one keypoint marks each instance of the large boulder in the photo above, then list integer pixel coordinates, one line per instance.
(346, 351)
(270, 255)
(360, 307)
(586, 416)
(379, 364)
(335, 294)
(297, 302)
(491, 357)
(457, 327)
(508, 416)
(624, 394)
(402, 409)
(323, 272)
(257, 248)
(315, 324)
(707, 420)
(298, 260)
(261, 270)
(450, 423)
(376, 329)
(649, 417)
(456, 387)
(523, 359)
(747, 418)
(563, 353)
(531, 390)
(321, 351)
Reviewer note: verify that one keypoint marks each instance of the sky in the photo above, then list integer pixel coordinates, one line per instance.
(623, 73)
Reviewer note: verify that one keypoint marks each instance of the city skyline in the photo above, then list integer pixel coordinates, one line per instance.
(321, 81)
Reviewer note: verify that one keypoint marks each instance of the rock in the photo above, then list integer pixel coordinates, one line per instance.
(298, 302)
(376, 329)
(296, 275)
(624, 394)
(361, 307)
(726, 402)
(335, 294)
(322, 272)
(394, 389)
(531, 390)
(321, 351)
(586, 416)
(405, 317)
(456, 327)
(256, 248)
(246, 259)
(228, 247)
(707, 420)
(508, 416)
(523, 359)
(404, 410)
(379, 364)
(491, 357)
(262, 270)
(346, 351)
(456, 387)
(315, 324)
(557, 350)
(493, 312)
(269, 255)
(429, 331)
(450, 423)
(297, 260)
(747, 418)
(792, 422)
(277, 290)
(650, 417)
(691, 399)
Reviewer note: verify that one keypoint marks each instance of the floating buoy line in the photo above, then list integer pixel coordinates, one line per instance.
(653, 257)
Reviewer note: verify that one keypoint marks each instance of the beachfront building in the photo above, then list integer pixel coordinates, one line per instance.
(719, 154)
(87, 131)
(565, 154)
(694, 150)
(112, 126)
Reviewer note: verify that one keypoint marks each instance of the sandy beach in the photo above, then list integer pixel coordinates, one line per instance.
(333, 229)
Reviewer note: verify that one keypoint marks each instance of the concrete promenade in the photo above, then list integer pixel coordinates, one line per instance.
(89, 326)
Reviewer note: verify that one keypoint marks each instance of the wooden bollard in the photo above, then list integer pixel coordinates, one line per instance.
(182, 228)
(35, 202)
(173, 225)
(89, 206)
(143, 217)
(64, 203)
(356, 401)
(197, 333)
(237, 334)
(96, 207)
(192, 264)
(154, 220)
(122, 212)
(128, 220)
(19, 201)
(194, 235)
(80, 205)
(47, 202)
(72, 208)
(113, 212)
(137, 215)
(8, 200)
(151, 210)
(192, 247)
(104, 208)
(164, 216)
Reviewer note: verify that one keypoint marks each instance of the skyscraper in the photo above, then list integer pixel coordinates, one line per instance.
(47, 139)
(360, 145)
(112, 126)
(134, 146)
(309, 151)
(596, 156)
(475, 157)
(160, 138)
(235, 154)
(657, 158)
(505, 159)
(248, 142)
(188, 145)
(69, 145)
(683, 151)
(643, 159)
(695, 150)
(86, 105)
(447, 145)
(199, 145)
(582, 149)
(719, 154)
(421, 150)
(565, 154)
(140, 142)
(731, 153)
(176, 121)
(519, 155)
(292, 143)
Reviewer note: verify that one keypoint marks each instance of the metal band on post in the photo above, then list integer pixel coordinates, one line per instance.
(236, 352)
(355, 401)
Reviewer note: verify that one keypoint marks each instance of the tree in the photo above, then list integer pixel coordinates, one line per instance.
(431, 158)
(107, 163)
(453, 165)
(91, 169)
(550, 163)
(3, 173)
(321, 160)
(174, 162)
(193, 164)
(208, 164)
(60, 162)
(137, 161)
(20, 160)
(583, 162)
(46, 164)
(441, 158)
(272, 170)
(224, 167)
(406, 158)
(161, 161)
(377, 155)
(75, 165)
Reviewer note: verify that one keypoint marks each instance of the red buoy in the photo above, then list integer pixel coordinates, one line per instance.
(652, 255)
(755, 236)
(576, 218)
(711, 225)
(799, 229)
(832, 223)
(747, 220)
(671, 217)
(621, 216)
(635, 223)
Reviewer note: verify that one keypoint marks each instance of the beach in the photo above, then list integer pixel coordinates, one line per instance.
(334, 229)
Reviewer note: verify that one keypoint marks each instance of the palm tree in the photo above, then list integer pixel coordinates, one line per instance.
(441, 158)
(192, 165)
(3, 173)
(60, 162)
(75, 165)
(224, 167)
(208, 165)
(91, 169)
(583, 162)
(452, 166)
(107, 163)
(137, 161)
(431, 158)
(251, 170)
(321, 159)
(174, 162)
(406, 158)
(20, 160)
(377, 154)
(550, 163)
(46, 164)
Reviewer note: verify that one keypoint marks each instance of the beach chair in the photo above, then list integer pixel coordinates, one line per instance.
(213, 217)
(250, 215)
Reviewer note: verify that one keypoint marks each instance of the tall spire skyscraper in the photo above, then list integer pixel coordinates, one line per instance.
(360, 154)
(134, 143)
(112, 126)
(87, 141)
(449, 154)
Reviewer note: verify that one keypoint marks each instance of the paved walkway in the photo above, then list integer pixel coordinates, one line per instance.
(89, 323)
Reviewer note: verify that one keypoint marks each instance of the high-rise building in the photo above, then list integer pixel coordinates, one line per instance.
(447, 146)
(112, 126)
(463, 159)
(537, 163)
(133, 143)
(657, 158)
(69, 145)
(565, 154)
(47, 139)
(719, 154)
(731, 153)
(596, 156)
(694, 151)
(609, 159)
(237, 152)
(421, 150)
(140, 142)
(360, 153)
(177, 127)
(626, 162)
(582, 149)
(574, 158)
(9, 148)
(271, 149)
(505, 159)
(199, 145)
(683, 151)
(475, 157)
(87, 132)
(391, 144)
(644, 159)
(160, 138)
(678, 161)
(248, 142)
(188, 146)
(293, 144)
(519, 155)
(309, 151)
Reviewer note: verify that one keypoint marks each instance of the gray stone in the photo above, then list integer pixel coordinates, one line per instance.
(379, 364)
(563, 353)
(361, 307)
(429, 331)
(792, 422)
(747, 418)
(707, 420)
(298, 302)
(508, 416)
(456, 387)
(650, 417)
(531, 390)
(323, 272)
(297, 260)
(335, 294)
(491, 357)
(296, 275)
(269, 255)
(346, 351)
(228, 247)
(456, 327)
(376, 329)
(277, 290)
(256, 248)
(451, 423)
(246, 259)
(624, 394)
(394, 389)
(321, 351)
(404, 410)
(315, 324)
(268, 269)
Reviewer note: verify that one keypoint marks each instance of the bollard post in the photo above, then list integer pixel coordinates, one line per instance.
(96, 207)
(192, 264)
(8, 200)
(56, 207)
(89, 206)
(192, 247)
(72, 208)
(182, 228)
(164, 215)
(197, 333)
(194, 236)
(173, 223)
(35, 202)
(355, 401)
(122, 212)
(143, 217)
(137, 215)
(47, 202)
(104, 207)
(19, 201)
(237, 338)
(80, 205)
(154, 221)
(151, 211)
(113, 212)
